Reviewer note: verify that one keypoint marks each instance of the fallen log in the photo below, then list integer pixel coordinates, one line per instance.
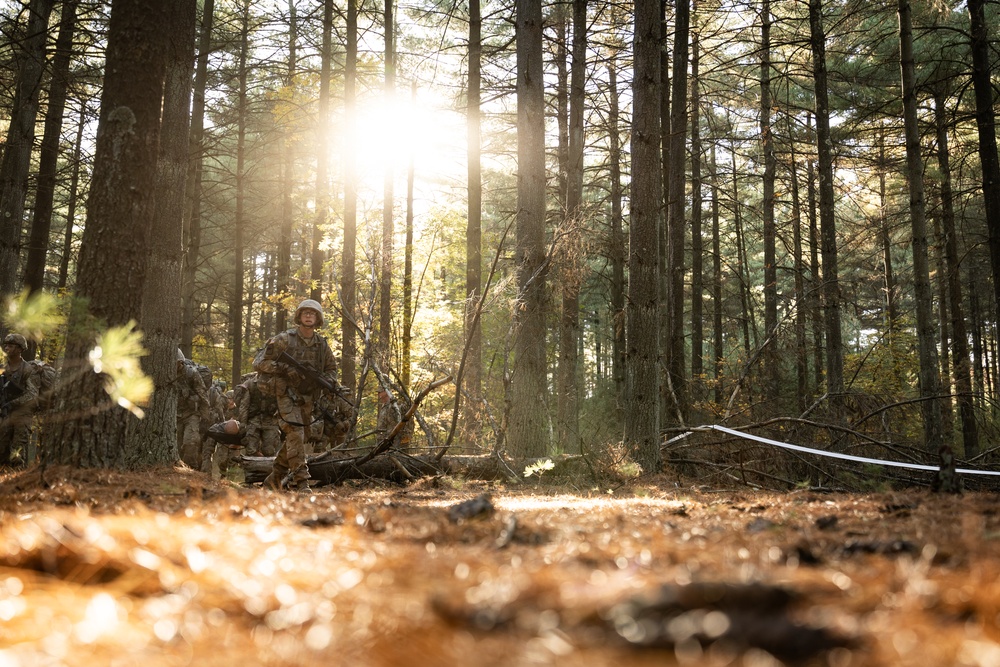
(403, 468)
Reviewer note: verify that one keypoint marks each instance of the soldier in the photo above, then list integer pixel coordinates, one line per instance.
(192, 411)
(389, 414)
(20, 389)
(338, 414)
(217, 404)
(295, 392)
(258, 413)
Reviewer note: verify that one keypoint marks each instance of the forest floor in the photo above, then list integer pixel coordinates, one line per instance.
(171, 568)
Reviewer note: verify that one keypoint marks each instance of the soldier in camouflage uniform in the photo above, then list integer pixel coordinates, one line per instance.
(192, 411)
(258, 413)
(338, 414)
(15, 428)
(295, 393)
(390, 414)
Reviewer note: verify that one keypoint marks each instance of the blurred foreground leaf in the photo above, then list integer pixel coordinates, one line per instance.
(117, 356)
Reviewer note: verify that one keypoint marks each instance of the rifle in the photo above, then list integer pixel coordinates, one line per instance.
(9, 392)
(332, 387)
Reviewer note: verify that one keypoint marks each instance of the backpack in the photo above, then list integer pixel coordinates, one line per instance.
(47, 376)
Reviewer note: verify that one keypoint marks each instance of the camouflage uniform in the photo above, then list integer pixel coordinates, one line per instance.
(15, 429)
(390, 414)
(192, 412)
(217, 414)
(336, 423)
(295, 394)
(257, 413)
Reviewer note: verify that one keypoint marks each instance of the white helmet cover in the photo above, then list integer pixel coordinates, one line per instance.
(311, 305)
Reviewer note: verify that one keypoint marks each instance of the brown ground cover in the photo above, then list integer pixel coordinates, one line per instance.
(170, 568)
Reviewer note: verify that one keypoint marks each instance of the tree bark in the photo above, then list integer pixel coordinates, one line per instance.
(573, 266)
(953, 272)
(982, 83)
(153, 440)
(474, 226)
(617, 250)
(385, 270)
(239, 222)
(930, 379)
(192, 222)
(529, 391)
(697, 259)
(41, 221)
(827, 214)
(348, 284)
(92, 432)
(283, 279)
(677, 400)
(642, 392)
(771, 364)
(16, 161)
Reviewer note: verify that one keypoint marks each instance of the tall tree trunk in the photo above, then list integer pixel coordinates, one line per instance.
(930, 380)
(16, 161)
(41, 222)
(474, 226)
(939, 289)
(152, 439)
(408, 262)
(642, 394)
(92, 432)
(717, 341)
(771, 359)
(529, 414)
(348, 283)
(283, 279)
(953, 271)
(815, 282)
(982, 83)
(746, 312)
(827, 219)
(317, 256)
(801, 301)
(322, 158)
(697, 261)
(617, 250)
(239, 222)
(885, 237)
(677, 404)
(192, 223)
(569, 330)
(385, 272)
(74, 194)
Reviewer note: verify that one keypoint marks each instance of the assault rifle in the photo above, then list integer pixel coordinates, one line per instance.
(332, 387)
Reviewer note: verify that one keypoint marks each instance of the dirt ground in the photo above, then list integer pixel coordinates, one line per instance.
(170, 568)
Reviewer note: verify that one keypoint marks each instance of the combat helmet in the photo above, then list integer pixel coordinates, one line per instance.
(16, 339)
(311, 304)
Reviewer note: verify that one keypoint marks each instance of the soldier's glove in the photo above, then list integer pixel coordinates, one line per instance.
(294, 377)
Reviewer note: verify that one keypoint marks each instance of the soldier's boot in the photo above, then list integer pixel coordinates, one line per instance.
(298, 480)
(273, 481)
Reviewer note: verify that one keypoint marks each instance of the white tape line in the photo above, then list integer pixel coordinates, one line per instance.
(837, 455)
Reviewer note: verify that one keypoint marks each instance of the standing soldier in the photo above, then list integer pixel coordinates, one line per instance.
(295, 391)
(19, 391)
(258, 413)
(192, 411)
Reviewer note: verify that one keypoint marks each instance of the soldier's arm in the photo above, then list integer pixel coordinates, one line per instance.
(265, 362)
(30, 381)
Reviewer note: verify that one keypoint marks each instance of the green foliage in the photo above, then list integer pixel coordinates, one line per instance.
(34, 317)
(116, 353)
